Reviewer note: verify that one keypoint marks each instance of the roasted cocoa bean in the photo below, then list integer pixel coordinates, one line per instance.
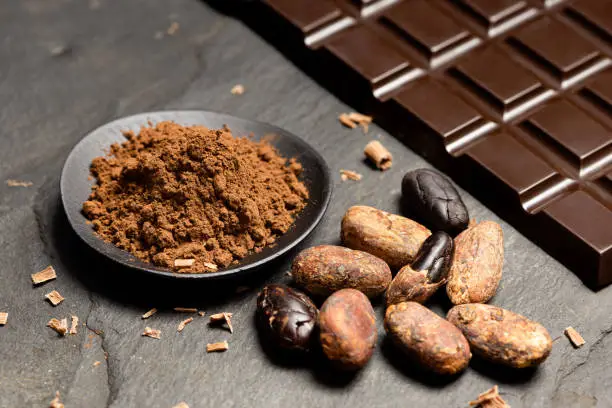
(427, 339)
(288, 316)
(477, 264)
(324, 269)
(435, 256)
(419, 281)
(502, 336)
(434, 201)
(393, 238)
(348, 329)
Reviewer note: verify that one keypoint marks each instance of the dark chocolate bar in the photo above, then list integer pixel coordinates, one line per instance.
(512, 98)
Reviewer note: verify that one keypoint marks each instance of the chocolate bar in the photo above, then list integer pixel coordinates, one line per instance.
(512, 98)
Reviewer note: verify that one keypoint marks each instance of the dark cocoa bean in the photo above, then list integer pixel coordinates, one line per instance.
(348, 329)
(288, 316)
(435, 256)
(434, 201)
(419, 281)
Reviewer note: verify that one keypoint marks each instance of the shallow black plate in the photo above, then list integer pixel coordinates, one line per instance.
(76, 185)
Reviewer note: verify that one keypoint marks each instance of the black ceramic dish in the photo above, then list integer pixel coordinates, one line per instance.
(76, 184)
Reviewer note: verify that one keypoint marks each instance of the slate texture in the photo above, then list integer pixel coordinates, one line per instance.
(68, 66)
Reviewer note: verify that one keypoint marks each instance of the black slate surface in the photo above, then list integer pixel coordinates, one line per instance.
(68, 66)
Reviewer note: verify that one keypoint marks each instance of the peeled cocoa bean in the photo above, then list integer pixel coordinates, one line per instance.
(434, 201)
(502, 336)
(427, 339)
(324, 269)
(348, 329)
(288, 316)
(419, 281)
(394, 239)
(477, 264)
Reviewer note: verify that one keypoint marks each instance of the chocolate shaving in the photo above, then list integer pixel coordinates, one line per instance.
(43, 276)
(346, 121)
(56, 403)
(3, 318)
(184, 323)
(18, 183)
(54, 297)
(350, 175)
(60, 326)
(186, 309)
(379, 155)
(183, 263)
(153, 333)
(489, 399)
(362, 120)
(74, 325)
(223, 317)
(574, 337)
(217, 347)
(181, 404)
(174, 27)
(149, 313)
(237, 90)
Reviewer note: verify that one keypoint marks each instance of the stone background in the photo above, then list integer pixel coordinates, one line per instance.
(68, 66)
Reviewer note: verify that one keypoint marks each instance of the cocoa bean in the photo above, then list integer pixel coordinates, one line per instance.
(324, 269)
(393, 238)
(434, 201)
(348, 329)
(502, 336)
(427, 339)
(477, 264)
(288, 316)
(419, 281)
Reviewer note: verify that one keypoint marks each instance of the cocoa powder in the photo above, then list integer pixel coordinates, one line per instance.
(174, 192)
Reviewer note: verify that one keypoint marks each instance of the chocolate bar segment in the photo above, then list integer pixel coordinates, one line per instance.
(496, 16)
(513, 98)
(501, 83)
(565, 63)
(594, 15)
(436, 36)
(380, 64)
(572, 134)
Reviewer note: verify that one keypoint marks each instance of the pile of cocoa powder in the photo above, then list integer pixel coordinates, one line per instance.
(191, 193)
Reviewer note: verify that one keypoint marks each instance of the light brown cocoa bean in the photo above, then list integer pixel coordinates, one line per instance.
(393, 238)
(324, 269)
(477, 264)
(348, 329)
(502, 336)
(427, 339)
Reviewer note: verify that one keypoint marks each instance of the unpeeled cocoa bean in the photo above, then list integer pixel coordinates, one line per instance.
(502, 336)
(419, 281)
(427, 339)
(324, 269)
(394, 239)
(288, 316)
(434, 200)
(477, 264)
(348, 329)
